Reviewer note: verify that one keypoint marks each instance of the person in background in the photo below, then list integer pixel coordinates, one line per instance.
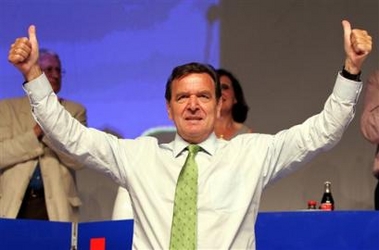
(35, 181)
(233, 109)
(227, 178)
(370, 124)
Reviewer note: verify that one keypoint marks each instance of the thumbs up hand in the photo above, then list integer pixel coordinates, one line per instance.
(357, 44)
(23, 54)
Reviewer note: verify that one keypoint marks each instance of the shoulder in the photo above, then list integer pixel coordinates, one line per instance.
(14, 102)
(243, 129)
(249, 142)
(246, 129)
(72, 106)
(147, 145)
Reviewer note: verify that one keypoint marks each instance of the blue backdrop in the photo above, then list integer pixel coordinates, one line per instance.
(117, 54)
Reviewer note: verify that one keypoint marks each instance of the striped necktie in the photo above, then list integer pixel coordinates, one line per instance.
(184, 221)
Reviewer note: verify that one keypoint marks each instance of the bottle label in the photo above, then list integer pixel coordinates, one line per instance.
(326, 206)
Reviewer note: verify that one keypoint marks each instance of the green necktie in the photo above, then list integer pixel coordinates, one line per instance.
(184, 221)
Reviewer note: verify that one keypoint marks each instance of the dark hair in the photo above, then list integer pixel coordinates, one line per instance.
(189, 68)
(240, 108)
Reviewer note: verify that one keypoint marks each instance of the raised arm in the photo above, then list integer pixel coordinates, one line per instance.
(66, 134)
(324, 130)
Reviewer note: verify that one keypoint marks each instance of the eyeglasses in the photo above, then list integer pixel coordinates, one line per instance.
(50, 70)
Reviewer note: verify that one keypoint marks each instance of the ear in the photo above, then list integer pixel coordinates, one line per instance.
(169, 112)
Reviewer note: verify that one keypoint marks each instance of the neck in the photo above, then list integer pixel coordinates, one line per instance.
(225, 127)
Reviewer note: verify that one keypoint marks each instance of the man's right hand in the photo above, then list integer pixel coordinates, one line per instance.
(23, 54)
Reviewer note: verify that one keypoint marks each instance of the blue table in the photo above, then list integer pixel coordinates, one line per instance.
(358, 230)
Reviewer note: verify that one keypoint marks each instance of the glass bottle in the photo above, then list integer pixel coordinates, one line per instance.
(327, 201)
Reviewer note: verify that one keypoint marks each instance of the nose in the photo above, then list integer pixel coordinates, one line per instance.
(193, 102)
(55, 73)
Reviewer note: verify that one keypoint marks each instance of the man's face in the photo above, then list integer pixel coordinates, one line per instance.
(193, 106)
(52, 68)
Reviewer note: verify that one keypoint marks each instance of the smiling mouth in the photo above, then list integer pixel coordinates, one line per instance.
(193, 118)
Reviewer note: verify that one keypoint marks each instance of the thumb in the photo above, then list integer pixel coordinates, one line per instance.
(347, 31)
(33, 36)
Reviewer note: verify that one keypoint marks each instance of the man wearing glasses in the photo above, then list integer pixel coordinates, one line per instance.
(35, 181)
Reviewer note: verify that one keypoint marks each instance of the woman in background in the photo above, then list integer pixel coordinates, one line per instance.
(234, 108)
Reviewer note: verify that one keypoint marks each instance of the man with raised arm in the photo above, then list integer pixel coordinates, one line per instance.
(230, 175)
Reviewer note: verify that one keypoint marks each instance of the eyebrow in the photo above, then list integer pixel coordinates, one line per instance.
(202, 92)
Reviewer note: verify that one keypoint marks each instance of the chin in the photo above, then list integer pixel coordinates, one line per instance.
(56, 88)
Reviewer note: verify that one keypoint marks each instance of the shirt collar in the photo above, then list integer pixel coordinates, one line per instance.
(208, 146)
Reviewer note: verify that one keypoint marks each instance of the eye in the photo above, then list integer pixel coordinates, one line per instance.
(224, 86)
(204, 97)
(181, 98)
(48, 69)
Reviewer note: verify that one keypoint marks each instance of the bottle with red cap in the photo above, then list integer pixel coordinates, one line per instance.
(312, 205)
(327, 201)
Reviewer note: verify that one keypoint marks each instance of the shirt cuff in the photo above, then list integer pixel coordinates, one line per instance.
(347, 90)
(38, 88)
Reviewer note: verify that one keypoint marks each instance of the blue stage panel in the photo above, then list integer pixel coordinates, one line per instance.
(347, 230)
(117, 234)
(34, 234)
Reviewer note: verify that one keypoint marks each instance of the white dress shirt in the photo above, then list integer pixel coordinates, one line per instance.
(232, 174)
